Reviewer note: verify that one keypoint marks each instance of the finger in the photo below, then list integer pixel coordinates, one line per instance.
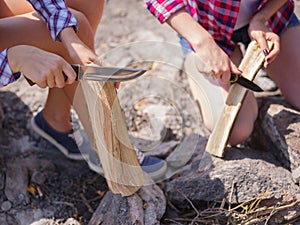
(262, 42)
(217, 75)
(60, 80)
(69, 73)
(274, 52)
(225, 78)
(50, 81)
(42, 84)
(98, 62)
(234, 69)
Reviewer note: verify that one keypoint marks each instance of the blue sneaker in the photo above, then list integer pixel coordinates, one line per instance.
(72, 144)
(155, 167)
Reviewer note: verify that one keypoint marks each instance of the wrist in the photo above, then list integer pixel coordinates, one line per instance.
(67, 35)
(259, 17)
(201, 41)
(12, 58)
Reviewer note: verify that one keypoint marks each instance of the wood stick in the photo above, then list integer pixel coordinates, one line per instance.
(250, 65)
(110, 138)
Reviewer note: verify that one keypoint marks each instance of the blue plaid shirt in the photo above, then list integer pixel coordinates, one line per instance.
(57, 17)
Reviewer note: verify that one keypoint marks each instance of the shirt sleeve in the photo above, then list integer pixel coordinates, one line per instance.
(163, 9)
(56, 15)
(6, 75)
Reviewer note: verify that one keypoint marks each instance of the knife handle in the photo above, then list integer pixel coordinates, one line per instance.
(74, 66)
(234, 77)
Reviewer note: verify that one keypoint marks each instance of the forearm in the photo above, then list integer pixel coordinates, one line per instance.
(56, 15)
(268, 10)
(192, 31)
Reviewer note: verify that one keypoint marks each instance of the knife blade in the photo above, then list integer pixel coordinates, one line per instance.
(102, 73)
(108, 74)
(236, 78)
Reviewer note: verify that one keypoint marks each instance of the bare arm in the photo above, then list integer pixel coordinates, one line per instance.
(79, 52)
(216, 60)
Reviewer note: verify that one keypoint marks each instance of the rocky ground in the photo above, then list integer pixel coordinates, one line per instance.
(256, 183)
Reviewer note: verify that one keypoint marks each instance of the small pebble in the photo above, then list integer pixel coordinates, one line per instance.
(6, 206)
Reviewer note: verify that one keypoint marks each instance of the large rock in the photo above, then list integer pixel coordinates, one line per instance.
(242, 175)
(280, 128)
(147, 206)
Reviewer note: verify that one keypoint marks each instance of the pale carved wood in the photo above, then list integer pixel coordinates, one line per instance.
(250, 65)
(108, 133)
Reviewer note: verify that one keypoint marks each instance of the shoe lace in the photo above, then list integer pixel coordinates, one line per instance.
(76, 135)
(140, 155)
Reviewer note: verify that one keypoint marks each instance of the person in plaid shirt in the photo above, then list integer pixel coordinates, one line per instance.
(213, 29)
(42, 54)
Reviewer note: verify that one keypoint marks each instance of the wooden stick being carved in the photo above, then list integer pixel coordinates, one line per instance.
(250, 65)
(111, 139)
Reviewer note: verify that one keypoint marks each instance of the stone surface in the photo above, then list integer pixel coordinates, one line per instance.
(246, 177)
(147, 207)
(296, 175)
(280, 125)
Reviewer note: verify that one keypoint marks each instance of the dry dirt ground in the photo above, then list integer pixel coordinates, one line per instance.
(60, 188)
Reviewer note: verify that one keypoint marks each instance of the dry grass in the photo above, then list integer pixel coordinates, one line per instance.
(262, 210)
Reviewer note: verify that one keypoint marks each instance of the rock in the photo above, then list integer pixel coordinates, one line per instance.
(2, 179)
(38, 177)
(3, 219)
(6, 206)
(247, 177)
(114, 209)
(184, 151)
(147, 206)
(164, 149)
(280, 125)
(296, 175)
(69, 221)
(1, 115)
(154, 203)
(16, 183)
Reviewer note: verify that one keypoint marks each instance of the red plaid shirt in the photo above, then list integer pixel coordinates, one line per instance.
(57, 17)
(218, 17)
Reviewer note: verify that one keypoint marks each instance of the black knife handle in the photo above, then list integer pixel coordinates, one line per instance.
(76, 68)
(234, 77)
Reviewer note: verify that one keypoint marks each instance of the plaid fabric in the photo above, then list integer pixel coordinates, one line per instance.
(56, 14)
(57, 17)
(218, 17)
(6, 75)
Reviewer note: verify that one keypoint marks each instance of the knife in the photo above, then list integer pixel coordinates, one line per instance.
(236, 78)
(102, 73)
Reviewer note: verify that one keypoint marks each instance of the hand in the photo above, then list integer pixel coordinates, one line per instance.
(215, 62)
(79, 52)
(43, 68)
(259, 32)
